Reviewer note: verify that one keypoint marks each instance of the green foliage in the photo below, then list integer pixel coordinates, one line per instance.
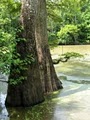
(68, 34)
(9, 13)
(69, 12)
(20, 67)
(68, 29)
(9, 30)
(72, 54)
(29, 59)
(17, 81)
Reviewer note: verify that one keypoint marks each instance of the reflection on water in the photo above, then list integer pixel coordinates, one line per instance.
(74, 100)
(70, 103)
(38, 112)
(82, 49)
(73, 103)
(74, 70)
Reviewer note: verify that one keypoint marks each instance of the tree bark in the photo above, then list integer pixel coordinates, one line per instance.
(39, 76)
(29, 91)
(47, 72)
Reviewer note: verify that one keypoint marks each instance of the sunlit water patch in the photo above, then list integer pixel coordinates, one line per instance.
(73, 103)
(74, 71)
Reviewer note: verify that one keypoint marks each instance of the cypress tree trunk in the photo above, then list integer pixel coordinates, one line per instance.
(29, 74)
(47, 72)
(29, 90)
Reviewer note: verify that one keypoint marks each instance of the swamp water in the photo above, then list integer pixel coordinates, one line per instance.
(70, 103)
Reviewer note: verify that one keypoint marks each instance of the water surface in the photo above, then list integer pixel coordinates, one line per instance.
(70, 103)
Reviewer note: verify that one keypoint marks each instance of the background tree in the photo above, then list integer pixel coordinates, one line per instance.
(70, 12)
(68, 34)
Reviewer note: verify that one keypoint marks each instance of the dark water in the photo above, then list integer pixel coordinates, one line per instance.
(70, 103)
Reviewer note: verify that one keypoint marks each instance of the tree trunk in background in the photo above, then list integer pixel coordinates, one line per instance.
(29, 91)
(47, 72)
